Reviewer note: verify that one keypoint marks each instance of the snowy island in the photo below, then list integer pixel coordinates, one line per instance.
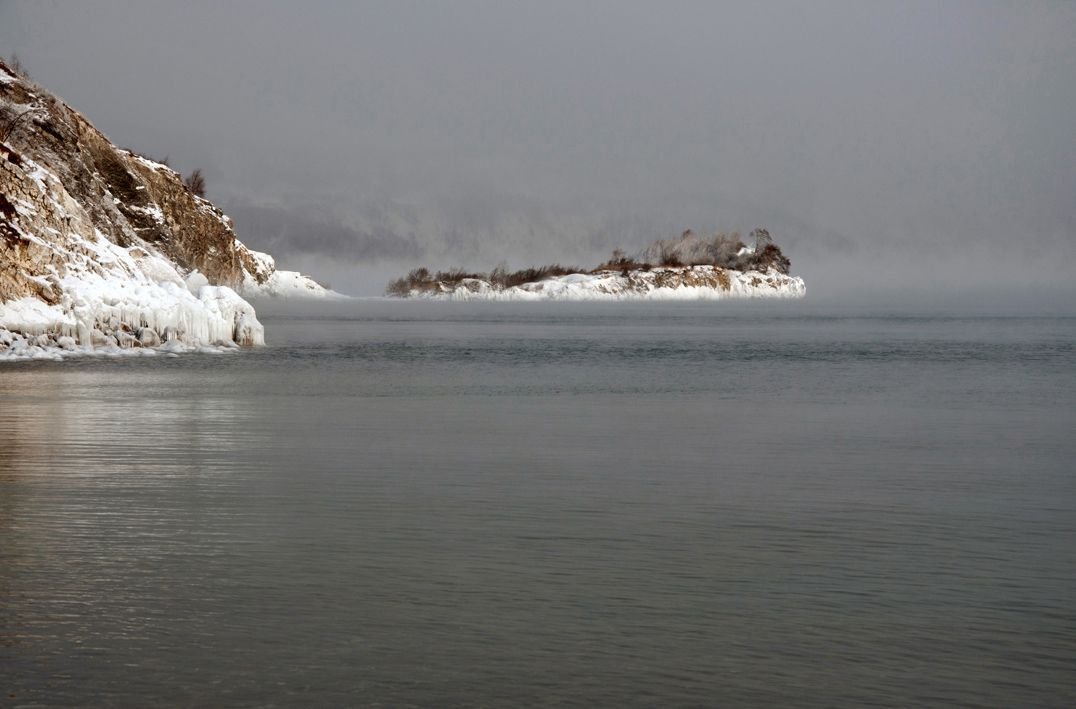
(103, 250)
(687, 269)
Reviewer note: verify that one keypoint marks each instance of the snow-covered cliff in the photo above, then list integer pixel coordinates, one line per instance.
(105, 249)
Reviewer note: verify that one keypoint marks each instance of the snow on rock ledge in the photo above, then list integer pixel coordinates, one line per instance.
(283, 284)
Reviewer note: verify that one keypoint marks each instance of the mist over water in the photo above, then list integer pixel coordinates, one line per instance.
(473, 504)
(926, 146)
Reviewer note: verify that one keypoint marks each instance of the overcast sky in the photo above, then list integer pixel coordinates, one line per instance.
(358, 138)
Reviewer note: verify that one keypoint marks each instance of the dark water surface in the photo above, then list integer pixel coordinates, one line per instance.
(548, 505)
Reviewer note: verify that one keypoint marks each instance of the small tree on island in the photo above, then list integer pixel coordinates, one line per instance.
(195, 182)
(762, 239)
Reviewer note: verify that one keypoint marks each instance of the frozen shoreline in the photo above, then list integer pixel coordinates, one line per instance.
(138, 316)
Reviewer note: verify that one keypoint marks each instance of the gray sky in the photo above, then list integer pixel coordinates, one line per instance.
(909, 144)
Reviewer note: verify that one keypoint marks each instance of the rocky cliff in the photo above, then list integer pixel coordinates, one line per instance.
(101, 247)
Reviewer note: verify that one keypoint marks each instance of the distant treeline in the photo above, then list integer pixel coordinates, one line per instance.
(727, 251)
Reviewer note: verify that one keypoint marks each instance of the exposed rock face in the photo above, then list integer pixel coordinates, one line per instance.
(97, 239)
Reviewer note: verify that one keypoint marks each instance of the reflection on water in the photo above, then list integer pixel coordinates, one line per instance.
(542, 506)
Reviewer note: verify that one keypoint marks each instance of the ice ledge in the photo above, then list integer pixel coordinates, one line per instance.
(107, 316)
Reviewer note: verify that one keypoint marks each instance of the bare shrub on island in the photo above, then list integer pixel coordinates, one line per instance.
(418, 279)
(621, 262)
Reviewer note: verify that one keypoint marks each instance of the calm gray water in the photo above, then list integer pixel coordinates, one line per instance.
(477, 505)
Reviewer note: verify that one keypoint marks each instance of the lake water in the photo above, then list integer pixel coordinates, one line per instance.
(406, 504)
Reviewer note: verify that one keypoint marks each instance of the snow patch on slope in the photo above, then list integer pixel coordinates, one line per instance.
(288, 284)
(267, 282)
